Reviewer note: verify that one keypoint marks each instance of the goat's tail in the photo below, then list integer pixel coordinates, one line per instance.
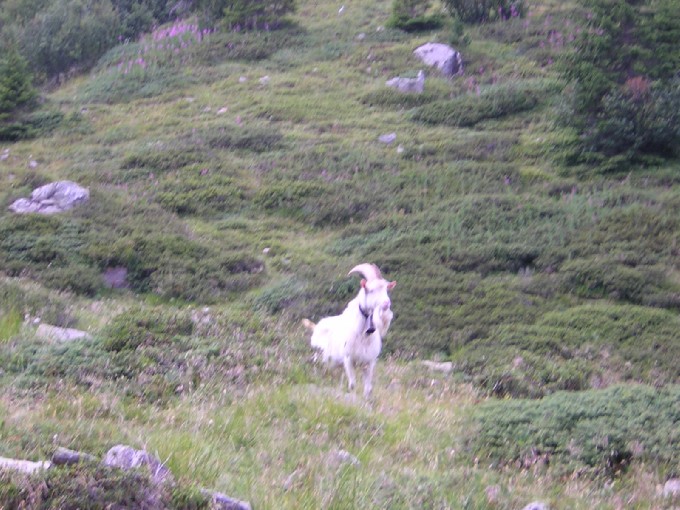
(308, 324)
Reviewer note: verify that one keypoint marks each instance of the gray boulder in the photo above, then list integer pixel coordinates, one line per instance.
(52, 198)
(671, 488)
(410, 85)
(536, 505)
(223, 502)
(125, 457)
(448, 61)
(60, 335)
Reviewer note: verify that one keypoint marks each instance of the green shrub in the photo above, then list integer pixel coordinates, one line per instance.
(247, 14)
(622, 68)
(596, 432)
(637, 120)
(254, 139)
(136, 327)
(572, 350)
(283, 295)
(491, 103)
(69, 33)
(35, 302)
(10, 322)
(202, 194)
(411, 16)
(479, 11)
(16, 87)
(594, 278)
(97, 487)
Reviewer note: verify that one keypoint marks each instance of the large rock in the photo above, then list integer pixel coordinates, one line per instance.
(25, 466)
(447, 60)
(52, 198)
(223, 502)
(414, 85)
(126, 457)
(59, 335)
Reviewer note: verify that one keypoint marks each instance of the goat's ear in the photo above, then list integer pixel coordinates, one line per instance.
(391, 285)
(363, 283)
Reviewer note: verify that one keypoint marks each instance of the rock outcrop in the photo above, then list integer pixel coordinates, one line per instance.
(448, 61)
(52, 198)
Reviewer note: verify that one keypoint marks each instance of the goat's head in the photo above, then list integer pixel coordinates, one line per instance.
(375, 291)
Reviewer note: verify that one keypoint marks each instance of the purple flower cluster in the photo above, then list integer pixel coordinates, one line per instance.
(165, 46)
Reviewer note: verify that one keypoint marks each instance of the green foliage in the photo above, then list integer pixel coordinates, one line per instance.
(479, 11)
(491, 102)
(595, 432)
(624, 100)
(34, 302)
(16, 87)
(411, 16)
(96, 487)
(284, 296)
(248, 14)
(638, 120)
(32, 125)
(10, 323)
(574, 350)
(69, 33)
(151, 327)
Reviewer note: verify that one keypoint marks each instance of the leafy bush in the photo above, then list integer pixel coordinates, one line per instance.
(16, 87)
(479, 11)
(31, 125)
(152, 327)
(637, 119)
(69, 33)
(411, 16)
(247, 14)
(625, 102)
(94, 486)
(200, 195)
(35, 302)
(491, 103)
(574, 350)
(596, 432)
(254, 139)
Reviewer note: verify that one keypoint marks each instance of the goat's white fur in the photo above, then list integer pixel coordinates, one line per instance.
(343, 339)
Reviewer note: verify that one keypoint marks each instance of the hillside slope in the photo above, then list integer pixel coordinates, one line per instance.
(236, 177)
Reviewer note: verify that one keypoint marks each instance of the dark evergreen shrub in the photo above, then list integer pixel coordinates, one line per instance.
(479, 11)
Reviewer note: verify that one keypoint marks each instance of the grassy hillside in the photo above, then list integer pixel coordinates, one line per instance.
(238, 176)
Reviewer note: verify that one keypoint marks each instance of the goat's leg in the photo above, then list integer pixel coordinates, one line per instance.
(349, 370)
(368, 378)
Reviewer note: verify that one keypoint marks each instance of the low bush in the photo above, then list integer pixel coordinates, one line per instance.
(247, 14)
(479, 11)
(151, 327)
(412, 16)
(583, 347)
(31, 125)
(67, 34)
(97, 487)
(592, 432)
(253, 139)
(200, 194)
(32, 301)
(491, 103)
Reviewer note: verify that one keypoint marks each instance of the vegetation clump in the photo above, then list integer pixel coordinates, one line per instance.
(595, 432)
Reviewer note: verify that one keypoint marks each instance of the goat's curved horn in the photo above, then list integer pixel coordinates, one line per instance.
(370, 271)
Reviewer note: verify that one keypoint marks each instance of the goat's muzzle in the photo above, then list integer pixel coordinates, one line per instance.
(368, 315)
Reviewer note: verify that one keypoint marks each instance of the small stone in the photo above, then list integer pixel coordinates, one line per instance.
(536, 505)
(388, 138)
(671, 488)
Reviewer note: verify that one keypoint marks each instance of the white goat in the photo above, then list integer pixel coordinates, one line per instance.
(355, 336)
